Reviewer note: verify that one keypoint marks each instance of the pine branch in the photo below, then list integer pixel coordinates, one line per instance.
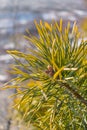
(75, 93)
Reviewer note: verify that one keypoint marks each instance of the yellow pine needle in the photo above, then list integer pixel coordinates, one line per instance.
(68, 28)
(31, 83)
(48, 26)
(61, 23)
(58, 72)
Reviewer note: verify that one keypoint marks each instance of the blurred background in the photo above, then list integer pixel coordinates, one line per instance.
(18, 15)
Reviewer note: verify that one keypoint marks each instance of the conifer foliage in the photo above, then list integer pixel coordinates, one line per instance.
(51, 79)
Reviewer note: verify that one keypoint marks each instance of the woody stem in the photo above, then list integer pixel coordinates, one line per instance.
(75, 93)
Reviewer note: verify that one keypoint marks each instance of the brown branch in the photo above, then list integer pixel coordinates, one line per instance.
(75, 93)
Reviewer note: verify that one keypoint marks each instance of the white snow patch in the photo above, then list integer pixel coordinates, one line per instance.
(3, 77)
(49, 16)
(9, 46)
(5, 57)
(80, 12)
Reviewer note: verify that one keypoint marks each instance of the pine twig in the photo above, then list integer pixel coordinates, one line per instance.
(75, 93)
